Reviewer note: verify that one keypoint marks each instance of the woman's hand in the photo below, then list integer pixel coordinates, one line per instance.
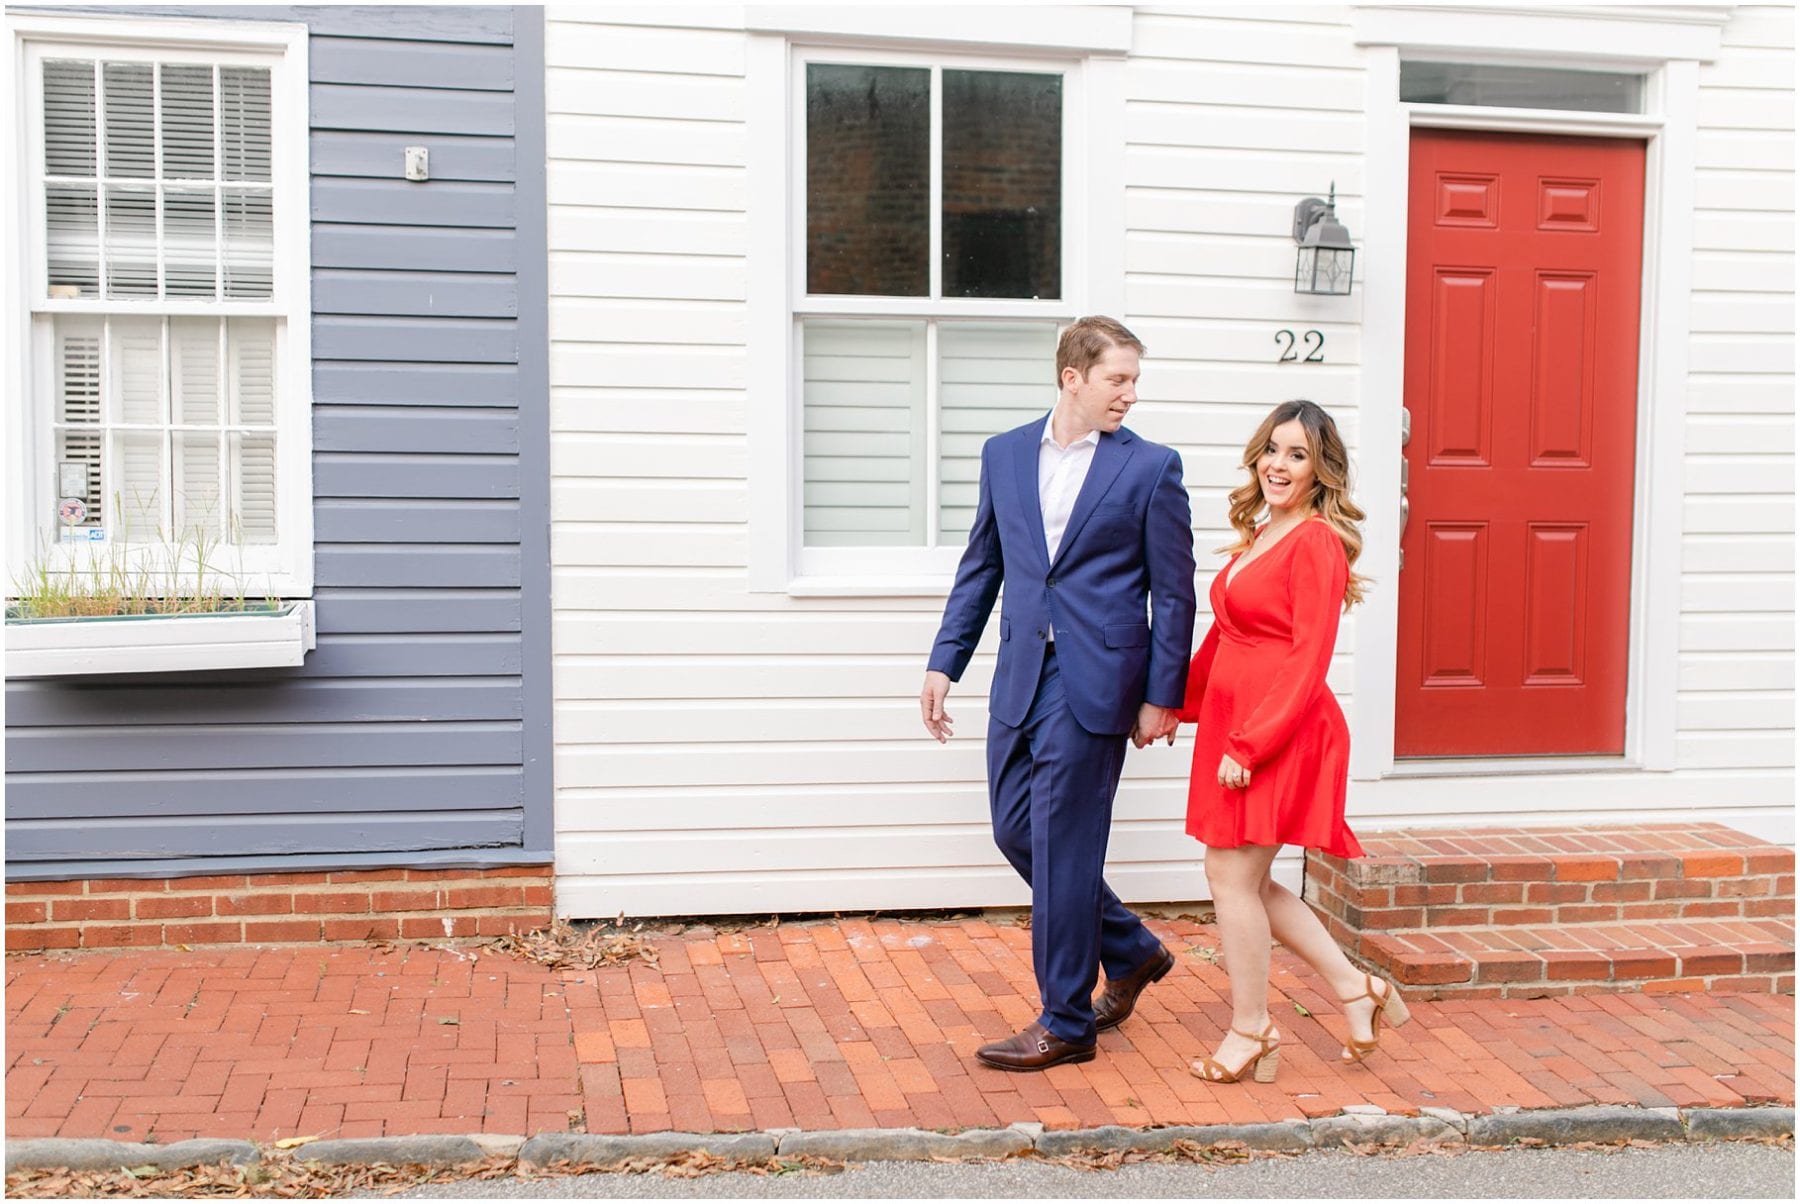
(1232, 776)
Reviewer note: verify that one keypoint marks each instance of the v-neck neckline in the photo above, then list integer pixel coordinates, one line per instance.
(1231, 578)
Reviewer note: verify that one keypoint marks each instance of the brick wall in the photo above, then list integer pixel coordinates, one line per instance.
(276, 909)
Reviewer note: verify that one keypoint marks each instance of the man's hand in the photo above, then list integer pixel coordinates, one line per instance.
(931, 705)
(1153, 723)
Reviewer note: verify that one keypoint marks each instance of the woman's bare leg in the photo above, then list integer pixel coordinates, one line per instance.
(1295, 925)
(1236, 877)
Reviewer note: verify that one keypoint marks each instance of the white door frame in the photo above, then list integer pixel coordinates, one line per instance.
(1669, 128)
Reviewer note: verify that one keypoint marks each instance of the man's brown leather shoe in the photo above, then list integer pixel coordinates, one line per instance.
(1121, 995)
(1037, 1048)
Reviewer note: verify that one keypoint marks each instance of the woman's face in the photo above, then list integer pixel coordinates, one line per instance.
(1285, 467)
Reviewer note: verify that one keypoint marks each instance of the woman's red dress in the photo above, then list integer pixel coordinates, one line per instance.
(1257, 691)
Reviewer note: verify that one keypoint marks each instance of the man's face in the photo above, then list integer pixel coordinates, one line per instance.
(1101, 400)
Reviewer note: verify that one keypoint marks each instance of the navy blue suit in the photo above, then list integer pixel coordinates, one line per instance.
(1120, 597)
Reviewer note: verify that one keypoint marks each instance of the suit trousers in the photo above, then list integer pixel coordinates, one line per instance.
(1050, 786)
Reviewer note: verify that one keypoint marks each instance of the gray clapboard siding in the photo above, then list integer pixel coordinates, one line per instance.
(449, 250)
(284, 835)
(248, 746)
(427, 65)
(360, 611)
(403, 739)
(395, 384)
(403, 203)
(421, 23)
(416, 111)
(287, 790)
(343, 520)
(294, 699)
(382, 156)
(442, 340)
(367, 428)
(346, 474)
(415, 294)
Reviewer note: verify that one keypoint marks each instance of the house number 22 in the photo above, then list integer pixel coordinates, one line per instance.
(1315, 344)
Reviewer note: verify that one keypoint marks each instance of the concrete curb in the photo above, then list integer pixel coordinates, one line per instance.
(1363, 1127)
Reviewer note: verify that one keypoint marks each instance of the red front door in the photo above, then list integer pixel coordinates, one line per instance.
(1522, 285)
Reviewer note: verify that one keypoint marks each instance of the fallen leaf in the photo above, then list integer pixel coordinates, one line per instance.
(289, 1143)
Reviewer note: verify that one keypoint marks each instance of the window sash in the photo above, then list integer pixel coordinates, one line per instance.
(934, 303)
(283, 567)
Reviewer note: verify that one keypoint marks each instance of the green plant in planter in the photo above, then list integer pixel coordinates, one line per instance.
(182, 577)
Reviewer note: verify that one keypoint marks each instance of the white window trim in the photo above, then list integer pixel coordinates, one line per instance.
(1093, 271)
(286, 569)
(1668, 45)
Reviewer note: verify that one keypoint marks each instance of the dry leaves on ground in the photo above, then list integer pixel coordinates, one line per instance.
(564, 946)
(1180, 1150)
(293, 1179)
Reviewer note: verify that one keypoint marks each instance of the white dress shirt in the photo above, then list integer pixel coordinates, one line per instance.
(1061, 471)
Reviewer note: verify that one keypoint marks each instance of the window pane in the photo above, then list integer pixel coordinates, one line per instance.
(250, 347)
(138, 484)
(136, 370)
(194, 370)
(187, 121)
(78, 403)
(992, 377)
(868, 169)
(249, 244)
(69, 118)
(863, 396)
(1521, 87)
(130, 124)
(244, 122)
(253, 516)
(190, 254)
(198, 514)
(130, 242)
(1002, 184)
(71, 241)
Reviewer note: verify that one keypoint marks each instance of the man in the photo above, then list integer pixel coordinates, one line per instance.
(1085, 523)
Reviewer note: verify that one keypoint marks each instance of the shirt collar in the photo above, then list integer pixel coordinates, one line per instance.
(1092, 436)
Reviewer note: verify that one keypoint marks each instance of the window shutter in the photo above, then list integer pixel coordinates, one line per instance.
(78, 405)
(993, 376)
(252, 348)
(194, 392)
(137, 372)
(863, 391)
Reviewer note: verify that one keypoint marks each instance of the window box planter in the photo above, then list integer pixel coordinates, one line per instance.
(256, 637)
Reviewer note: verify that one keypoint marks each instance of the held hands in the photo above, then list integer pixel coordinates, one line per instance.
(1232, 776)
(931, 705)
(1153, 724)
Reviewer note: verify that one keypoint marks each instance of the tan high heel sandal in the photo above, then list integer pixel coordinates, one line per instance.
(1388, 1005)
(1266, 1060)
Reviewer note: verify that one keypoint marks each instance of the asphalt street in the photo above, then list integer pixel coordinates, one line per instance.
(1726, 1171)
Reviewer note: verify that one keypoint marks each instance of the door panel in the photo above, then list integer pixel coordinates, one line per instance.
(1523, 277)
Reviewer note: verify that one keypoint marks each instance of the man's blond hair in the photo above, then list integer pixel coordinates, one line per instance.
(1087, 339)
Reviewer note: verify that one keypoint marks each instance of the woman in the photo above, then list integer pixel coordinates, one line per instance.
(1271, 755)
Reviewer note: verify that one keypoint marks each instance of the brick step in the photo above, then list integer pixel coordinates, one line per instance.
(1437, 878)
(1529, 962)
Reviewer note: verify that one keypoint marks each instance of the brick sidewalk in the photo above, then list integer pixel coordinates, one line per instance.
(830, 1024)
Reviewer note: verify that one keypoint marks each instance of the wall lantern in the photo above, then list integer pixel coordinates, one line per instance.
(1326, 258)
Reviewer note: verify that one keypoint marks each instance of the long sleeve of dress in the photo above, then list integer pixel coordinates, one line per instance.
(1198, 672)
(1316, 579)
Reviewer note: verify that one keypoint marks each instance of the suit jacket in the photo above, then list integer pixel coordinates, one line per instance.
(1120, 591)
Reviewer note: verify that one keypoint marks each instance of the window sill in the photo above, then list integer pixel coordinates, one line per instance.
(159, 643)
(869, 587)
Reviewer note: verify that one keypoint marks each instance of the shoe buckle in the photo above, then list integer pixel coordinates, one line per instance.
(1043, 1045)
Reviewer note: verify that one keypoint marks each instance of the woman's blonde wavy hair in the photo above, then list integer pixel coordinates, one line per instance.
(1331, 486)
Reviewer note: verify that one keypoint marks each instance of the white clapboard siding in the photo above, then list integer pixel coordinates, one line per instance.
(1735, 707)
(725, 751)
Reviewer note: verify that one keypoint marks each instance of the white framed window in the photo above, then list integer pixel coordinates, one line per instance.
(937, 209)
(161, 338)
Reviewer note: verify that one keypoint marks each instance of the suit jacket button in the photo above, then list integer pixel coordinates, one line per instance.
(1052, 583)
(1040, 635)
